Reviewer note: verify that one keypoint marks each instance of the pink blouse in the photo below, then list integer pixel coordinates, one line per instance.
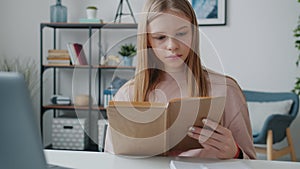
(235, 115)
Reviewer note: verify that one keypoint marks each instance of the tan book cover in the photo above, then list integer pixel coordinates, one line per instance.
(148, 128)
(67, 57)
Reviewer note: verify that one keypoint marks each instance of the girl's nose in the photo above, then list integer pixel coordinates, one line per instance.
(172, 44)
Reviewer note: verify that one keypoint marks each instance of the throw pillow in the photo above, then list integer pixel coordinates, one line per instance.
(260, 111)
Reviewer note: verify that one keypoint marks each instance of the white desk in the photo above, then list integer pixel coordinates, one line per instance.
(96, 160)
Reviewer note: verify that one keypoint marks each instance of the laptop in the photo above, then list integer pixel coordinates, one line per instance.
(20, 142)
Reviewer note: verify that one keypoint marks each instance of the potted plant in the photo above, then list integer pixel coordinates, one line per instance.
(91, 12)
(127, 51)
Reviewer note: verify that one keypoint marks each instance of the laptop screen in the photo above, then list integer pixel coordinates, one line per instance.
(20, 143)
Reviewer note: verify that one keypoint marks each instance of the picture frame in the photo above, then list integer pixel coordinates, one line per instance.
(210, 12)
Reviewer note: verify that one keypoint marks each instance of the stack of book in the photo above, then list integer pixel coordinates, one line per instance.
(58, 57)
(77, 54)
(61, 100)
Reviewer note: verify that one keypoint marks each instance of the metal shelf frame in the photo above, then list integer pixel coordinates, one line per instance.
(89, 27)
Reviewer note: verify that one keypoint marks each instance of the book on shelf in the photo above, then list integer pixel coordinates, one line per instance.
(159, 128)
(60, 100)
(72, 53)
(80, 53)
(54, 53)
(58, 57)
(59, 62)
(64, 61)
(77, 53)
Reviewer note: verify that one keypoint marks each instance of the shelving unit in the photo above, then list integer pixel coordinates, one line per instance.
(44, 67)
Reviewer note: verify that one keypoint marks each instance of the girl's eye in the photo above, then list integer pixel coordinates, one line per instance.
(160, 37)
(181, 33)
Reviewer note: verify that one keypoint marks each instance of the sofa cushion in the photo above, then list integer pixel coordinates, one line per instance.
(260, 111)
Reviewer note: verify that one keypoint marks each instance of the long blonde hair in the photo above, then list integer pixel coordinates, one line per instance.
(147, 77)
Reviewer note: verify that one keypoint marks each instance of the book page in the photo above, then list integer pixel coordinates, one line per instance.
(144, 128)
(186, 112)
(137, 128)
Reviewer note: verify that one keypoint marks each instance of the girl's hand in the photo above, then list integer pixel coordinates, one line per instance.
(217, 141)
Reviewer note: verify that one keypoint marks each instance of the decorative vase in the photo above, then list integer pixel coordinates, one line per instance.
(127, 61)
(58, 12)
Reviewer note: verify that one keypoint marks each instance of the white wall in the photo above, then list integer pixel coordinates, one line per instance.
(256, 46)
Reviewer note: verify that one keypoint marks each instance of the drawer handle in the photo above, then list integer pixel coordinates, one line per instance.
(68, 127)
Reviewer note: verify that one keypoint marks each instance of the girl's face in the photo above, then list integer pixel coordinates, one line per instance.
(170, 36)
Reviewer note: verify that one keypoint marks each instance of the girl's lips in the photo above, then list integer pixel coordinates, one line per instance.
(174, 56)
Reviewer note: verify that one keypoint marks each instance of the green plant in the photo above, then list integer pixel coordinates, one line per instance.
(297, 42)
(297, 45)
(91, 7)
(297, 86)
(127, 50)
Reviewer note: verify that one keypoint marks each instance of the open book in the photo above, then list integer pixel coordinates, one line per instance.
(149, 128)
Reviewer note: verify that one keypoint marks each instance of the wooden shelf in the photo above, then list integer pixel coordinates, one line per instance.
(87, 66)
(115, 67)
(65, 66)
(75, 25)
(72, 107)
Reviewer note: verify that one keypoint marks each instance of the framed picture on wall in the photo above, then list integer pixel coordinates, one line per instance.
(210, 12)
